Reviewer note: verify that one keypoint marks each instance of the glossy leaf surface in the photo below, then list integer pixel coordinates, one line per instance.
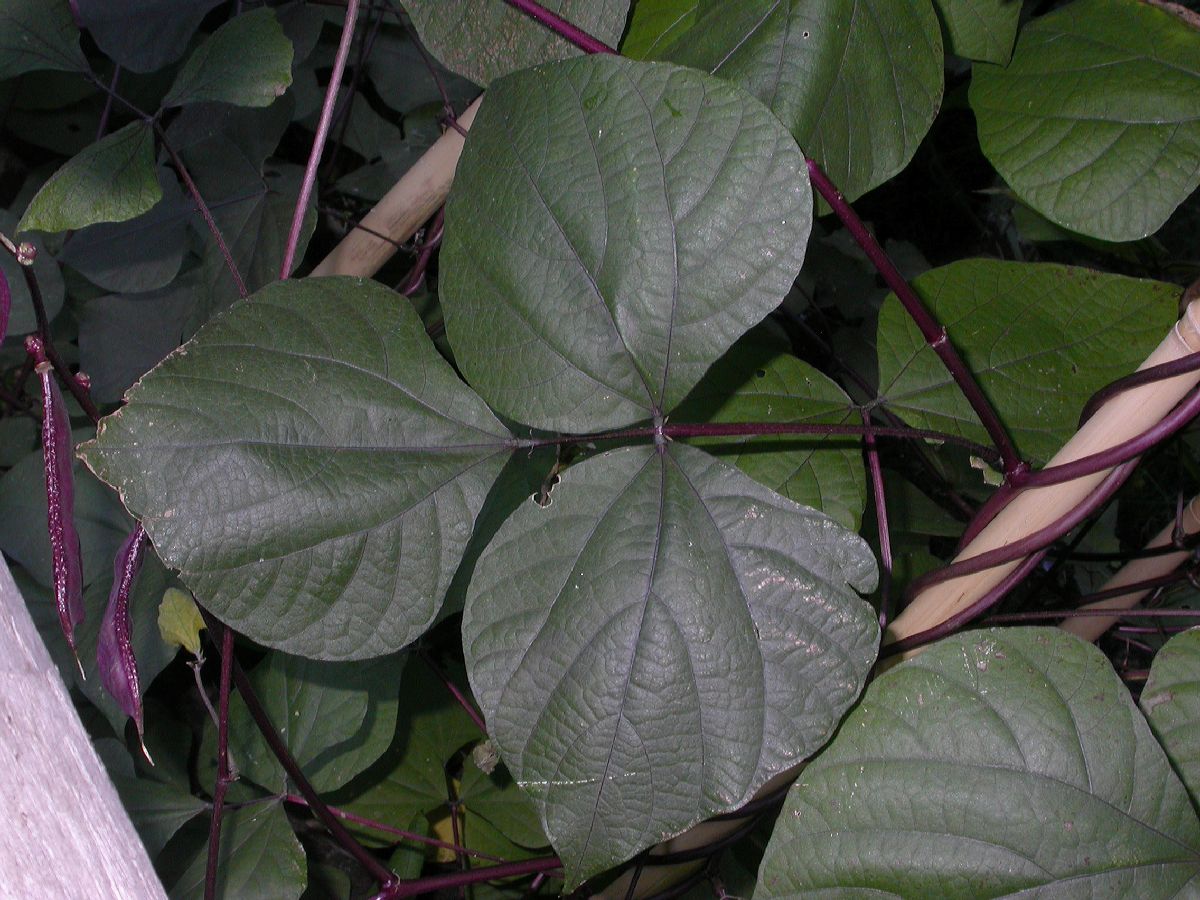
(485, 39)
(247, 62)
(113, 180)
(1040, 338)
(334, 718)
(1171, 702)
(35, 36)
(321, 500)
(614, 227)
(1096, 121)
(996, 763)
(858, 82)
(659, 641)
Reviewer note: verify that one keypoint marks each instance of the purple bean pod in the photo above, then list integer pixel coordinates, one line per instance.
(114, 651)
(58, 462)
(5, 305)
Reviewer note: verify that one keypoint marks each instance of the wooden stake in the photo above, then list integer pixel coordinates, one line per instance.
(1124, 417)
(411, 201)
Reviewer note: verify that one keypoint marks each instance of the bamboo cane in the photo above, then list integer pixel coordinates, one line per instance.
(1135, 572)
(1122, 418)
(412, 200)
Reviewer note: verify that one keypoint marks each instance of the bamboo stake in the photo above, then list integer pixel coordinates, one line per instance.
(412, 200)
(1134, 572)
(1124, 417)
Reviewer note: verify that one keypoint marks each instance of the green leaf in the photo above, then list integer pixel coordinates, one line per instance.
(310, 465)
(485, 39)
(410, 780)
(36, 36)
(113, 180)
(499, 819)
(143, 35)
(22, 318)
(614, 227)
(335, 718)
(246, 62)
(1096, 121)
(179, 621)
(141, 254)
(754, 382)
(858, 82)
(653, 24)
(1040, 338)
(158, 810)
(1171, 702)
(259, 857)
(1003, 762)
(658, 642)
(982, 30)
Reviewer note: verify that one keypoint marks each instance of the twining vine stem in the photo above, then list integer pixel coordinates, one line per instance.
(223, 771)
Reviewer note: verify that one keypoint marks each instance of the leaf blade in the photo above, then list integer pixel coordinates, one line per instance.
(246, 62)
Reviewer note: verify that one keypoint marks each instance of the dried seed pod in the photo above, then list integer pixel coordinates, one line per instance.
(58, 462)
(114, 651)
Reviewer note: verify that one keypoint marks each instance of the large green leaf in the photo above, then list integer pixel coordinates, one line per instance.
(334, 718)
(1096, 121)
(259, 859)
(982, 30)
(1040, 338)
(310, 465)
(653, 24)
(35, 36)
(247, 62)
(143, 35)
(658, 642)
(485, 39)
(1171, 701)
(754, 382)
(858, 82)
(997, 763)
(614, 227)
(113, 180)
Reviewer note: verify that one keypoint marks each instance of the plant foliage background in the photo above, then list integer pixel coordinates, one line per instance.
(520, 562)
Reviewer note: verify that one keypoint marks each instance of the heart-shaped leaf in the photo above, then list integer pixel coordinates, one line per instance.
(1171, 701)
(143, 35)
(858, 82)
(485, 39)
(1096, 121)
(996, 763)
(113, 180)
(247, 62)
(1040, 338)
(310, 465)
(36, 36)
(614, 227)
(658, 642)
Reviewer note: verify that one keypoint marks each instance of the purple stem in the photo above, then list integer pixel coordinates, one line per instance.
(455, 691)
(456, 880)
(434, 237)
(934, 333)
(1086, 613)
(223, 779)
(5, 305)
(318, 144)
(102, 127)
(205, 212)
(373, 866)
(560, 26)
(398, 832)
(1181, 366)
(881, 522)
(1035, 541)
